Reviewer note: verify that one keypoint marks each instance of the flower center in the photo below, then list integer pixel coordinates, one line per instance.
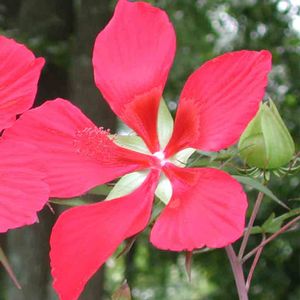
(160, 155)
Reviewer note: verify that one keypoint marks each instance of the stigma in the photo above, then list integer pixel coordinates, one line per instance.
(160, 155)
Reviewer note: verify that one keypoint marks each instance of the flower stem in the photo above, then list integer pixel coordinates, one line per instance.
(250, 224)
(270, 238)
(238, 273)
(254, 263)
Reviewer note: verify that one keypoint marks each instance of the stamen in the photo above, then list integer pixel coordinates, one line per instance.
(95, 143)
(98, 144)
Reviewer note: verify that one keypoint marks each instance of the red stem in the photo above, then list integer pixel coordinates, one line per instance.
(250, 224)
(270, 238)
(253, 266)
(238, 273)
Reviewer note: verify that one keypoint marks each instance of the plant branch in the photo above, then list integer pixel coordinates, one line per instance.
(270, 238)
(238, 273)
(250, 224)
(254, 263)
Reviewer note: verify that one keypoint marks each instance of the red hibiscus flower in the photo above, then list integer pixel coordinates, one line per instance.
(132, 58)
(22, 191)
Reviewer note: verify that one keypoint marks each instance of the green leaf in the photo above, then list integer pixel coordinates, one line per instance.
(77, 201)
(291, 213)
(260, 187)
(256, 230)
(212, 155)
(272, 224)
(127, 184)
(205, 158)
(103, 189)
(70, 202)
(165, 124)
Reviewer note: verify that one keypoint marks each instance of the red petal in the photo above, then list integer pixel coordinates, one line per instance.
(19, 74)
(207, 208)
(77, 154)
(22, 190)
(83, 238)
(219, 99)
(132, 58)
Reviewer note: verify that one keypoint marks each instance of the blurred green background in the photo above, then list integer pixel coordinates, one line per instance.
(64, 32)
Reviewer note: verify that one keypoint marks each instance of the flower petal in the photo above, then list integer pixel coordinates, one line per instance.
(219, 99)
(84, 237)
(207, 209)
(22, 190)
(77, 154)
(132, 58)
(19, 75)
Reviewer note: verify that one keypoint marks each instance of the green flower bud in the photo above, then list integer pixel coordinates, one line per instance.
(266, 143)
